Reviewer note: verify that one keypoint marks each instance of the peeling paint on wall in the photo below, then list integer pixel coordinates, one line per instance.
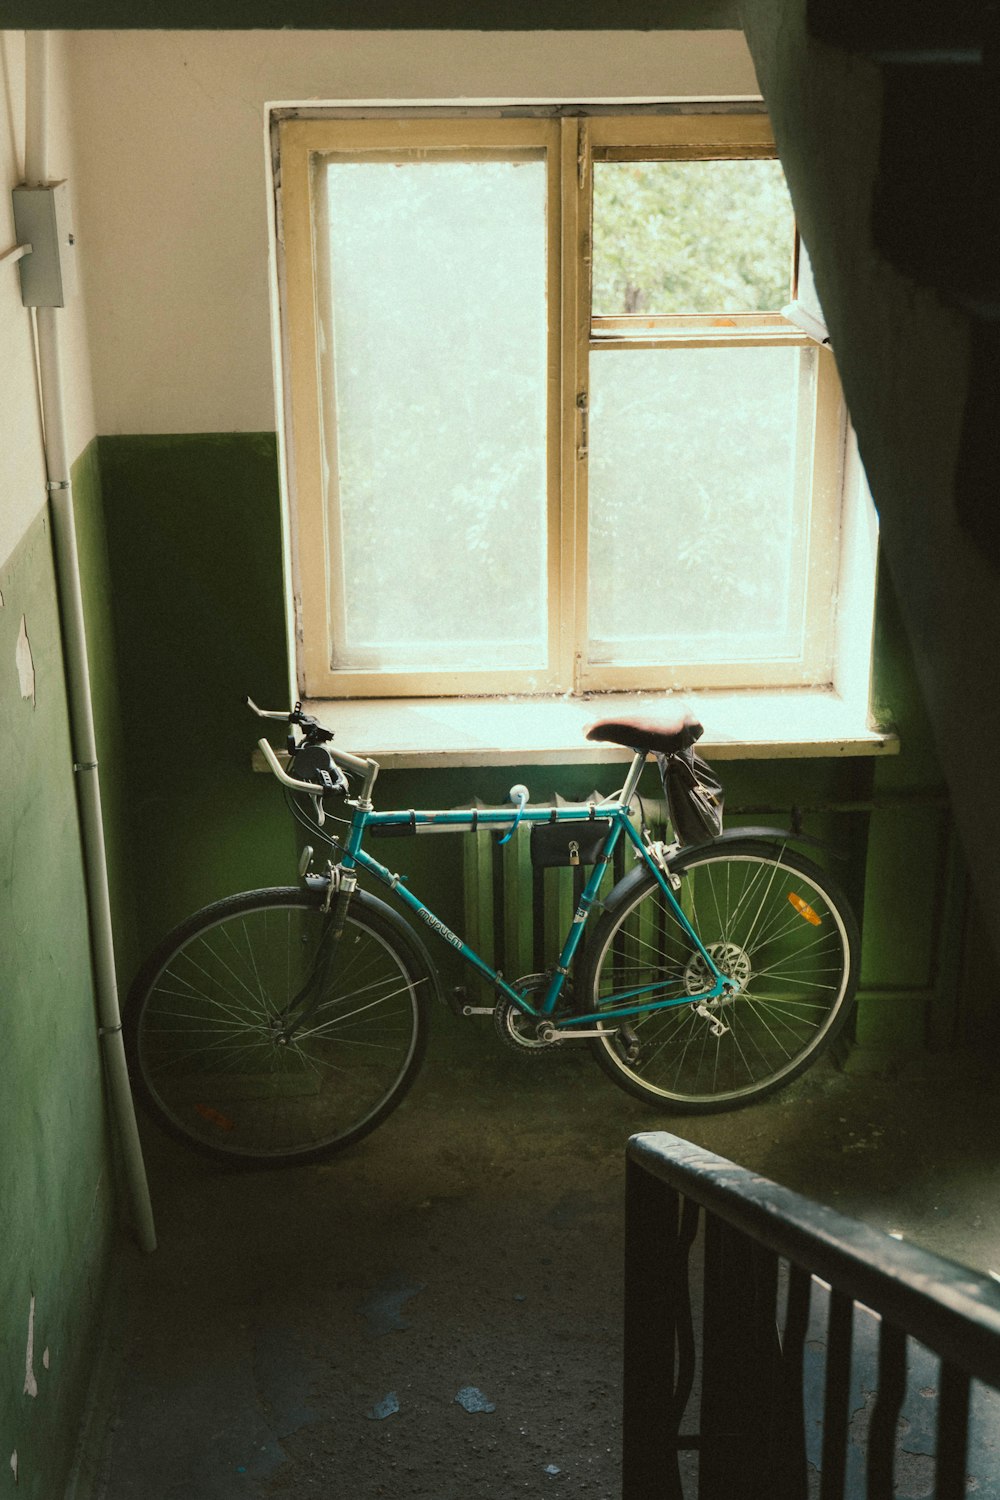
(25, 665)
(30, 1383)
(13, 1464)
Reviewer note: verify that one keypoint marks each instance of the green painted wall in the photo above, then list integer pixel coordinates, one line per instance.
(195, 561)
(55, 1177)
(915, 879)
(91, 534)
(194, 549)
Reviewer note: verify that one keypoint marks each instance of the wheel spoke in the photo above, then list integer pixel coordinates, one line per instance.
(792, 977)
(222, 1069)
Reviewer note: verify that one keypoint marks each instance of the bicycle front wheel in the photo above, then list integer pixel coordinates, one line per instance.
(207, 1027)
(772, 922)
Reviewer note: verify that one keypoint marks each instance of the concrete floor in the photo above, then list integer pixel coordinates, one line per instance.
(308, 1332)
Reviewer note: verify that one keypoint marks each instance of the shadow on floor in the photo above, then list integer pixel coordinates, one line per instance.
(438, 1312)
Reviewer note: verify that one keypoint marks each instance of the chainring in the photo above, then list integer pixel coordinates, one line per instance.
(516, 1029)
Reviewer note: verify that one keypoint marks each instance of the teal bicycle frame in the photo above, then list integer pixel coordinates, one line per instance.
(630, 1002)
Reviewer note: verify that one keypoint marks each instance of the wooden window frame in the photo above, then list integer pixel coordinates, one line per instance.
(571, 145)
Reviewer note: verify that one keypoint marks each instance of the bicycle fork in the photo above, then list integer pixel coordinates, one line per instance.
(340, 885)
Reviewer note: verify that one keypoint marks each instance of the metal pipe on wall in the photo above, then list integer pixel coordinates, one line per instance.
(36, 100)
(82, 729)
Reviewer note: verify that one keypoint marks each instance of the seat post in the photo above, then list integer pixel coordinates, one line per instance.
(632, 779)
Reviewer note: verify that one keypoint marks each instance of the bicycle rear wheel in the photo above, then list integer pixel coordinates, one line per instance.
(774, 923)
(207, 1019)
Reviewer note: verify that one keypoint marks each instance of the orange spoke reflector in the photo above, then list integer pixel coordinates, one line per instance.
(214, 1117)
(804, 909)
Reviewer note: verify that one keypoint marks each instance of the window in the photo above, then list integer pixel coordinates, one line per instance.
(548, 429)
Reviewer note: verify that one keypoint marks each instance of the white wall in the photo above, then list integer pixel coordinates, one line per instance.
(171, 175)
(22, 470)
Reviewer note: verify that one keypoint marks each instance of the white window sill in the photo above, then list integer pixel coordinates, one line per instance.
(424, 733)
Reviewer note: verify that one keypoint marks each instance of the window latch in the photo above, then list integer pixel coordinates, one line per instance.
(583, 407)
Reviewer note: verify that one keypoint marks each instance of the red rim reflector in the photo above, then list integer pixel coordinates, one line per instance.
(214, 1117)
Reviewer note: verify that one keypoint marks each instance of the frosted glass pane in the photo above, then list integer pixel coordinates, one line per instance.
(436, 315)
(691, 237)
(698, 518)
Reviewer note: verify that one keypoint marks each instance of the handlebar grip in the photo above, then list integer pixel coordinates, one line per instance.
(268, 713)
(282, 775)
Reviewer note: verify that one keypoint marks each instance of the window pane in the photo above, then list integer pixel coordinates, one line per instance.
(691, 237)
(698, 504)
(436, 384)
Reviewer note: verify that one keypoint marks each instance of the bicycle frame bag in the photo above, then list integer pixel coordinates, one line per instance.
(695, 796)
(557, 845)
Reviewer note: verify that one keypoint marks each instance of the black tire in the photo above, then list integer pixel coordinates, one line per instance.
(202, 1028)
(769, 918)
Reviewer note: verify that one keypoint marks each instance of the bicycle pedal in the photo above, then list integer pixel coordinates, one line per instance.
(626, 1044)
(458, 999)
(459, 1004)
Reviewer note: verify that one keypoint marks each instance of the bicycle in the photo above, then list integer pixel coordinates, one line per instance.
(281, 1025)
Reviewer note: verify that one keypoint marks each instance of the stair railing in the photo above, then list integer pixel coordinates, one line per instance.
(801, 1353)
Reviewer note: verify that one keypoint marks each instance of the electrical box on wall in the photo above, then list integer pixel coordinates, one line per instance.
(41, 220)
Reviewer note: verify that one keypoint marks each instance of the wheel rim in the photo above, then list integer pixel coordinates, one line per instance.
(771, 928)
(210, 1045)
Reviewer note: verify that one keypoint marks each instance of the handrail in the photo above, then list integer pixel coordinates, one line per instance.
(953, 1310)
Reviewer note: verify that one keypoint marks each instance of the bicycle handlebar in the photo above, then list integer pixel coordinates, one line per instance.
(365, 768)
(282, 775)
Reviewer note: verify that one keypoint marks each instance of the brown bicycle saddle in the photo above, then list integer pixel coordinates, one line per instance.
(648, 734)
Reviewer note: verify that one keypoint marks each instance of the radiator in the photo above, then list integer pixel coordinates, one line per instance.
(519, 916)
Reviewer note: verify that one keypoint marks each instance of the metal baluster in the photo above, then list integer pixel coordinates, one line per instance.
(885, 1417)
(740, 1366)
(837, 1396)
(650, 1469)
(952, 1434)
(686, 1347)
(719, 1393)
(763, 1407)
(790, 1461)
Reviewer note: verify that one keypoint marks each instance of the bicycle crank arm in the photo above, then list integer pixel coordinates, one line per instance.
(557, 1034)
